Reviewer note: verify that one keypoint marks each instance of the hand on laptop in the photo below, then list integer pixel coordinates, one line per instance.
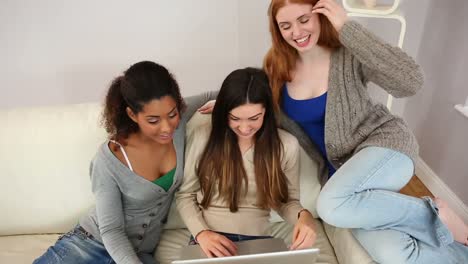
(304, 231)
(216, 245)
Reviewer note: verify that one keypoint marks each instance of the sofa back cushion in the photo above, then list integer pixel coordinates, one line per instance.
(44, 163)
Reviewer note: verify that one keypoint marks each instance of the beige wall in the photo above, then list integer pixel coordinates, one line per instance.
(441, 131)
(60, 52)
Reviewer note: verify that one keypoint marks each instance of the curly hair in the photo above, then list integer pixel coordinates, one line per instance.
(141, 83)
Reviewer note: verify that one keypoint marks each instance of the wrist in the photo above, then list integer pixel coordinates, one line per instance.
(197, 236)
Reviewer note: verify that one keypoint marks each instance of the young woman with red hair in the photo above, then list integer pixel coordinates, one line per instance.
(319, 65)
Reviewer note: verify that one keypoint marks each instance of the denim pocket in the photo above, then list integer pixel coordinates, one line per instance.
(68, 234)
(78, 232)
(82, 233)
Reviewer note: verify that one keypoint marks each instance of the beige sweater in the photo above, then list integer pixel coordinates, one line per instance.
(249, 219)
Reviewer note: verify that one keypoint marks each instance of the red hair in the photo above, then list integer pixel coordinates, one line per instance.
(281, 58)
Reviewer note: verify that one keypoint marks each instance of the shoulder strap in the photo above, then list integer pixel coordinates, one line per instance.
(124, 153)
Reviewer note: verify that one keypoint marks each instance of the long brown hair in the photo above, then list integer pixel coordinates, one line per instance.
(281, 58)
(221, 164)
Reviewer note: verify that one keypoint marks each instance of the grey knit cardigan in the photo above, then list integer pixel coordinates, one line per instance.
(352, 120)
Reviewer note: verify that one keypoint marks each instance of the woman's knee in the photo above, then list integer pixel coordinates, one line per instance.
(332, 209)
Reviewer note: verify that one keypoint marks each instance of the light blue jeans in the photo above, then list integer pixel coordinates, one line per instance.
(79, 247)
(392, 227)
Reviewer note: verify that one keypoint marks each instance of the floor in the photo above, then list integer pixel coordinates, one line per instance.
(416, 188)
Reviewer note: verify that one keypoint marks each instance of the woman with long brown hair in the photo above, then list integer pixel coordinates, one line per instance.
(238, 168)
(319, 65)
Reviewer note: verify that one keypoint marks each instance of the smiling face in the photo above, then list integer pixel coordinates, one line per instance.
(245, 120)
(298, 26)
(157, 120)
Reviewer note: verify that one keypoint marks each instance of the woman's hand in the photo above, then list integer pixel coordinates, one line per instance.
(216, 245)
(333, 11)
(207, 108)
(304, 231)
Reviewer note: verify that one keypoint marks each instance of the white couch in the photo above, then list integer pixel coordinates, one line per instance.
(45, 187)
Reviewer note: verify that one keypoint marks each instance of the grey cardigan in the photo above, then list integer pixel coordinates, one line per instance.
(352, 120)
(130, 211)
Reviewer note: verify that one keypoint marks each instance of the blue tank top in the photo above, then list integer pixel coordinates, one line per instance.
(310, 115)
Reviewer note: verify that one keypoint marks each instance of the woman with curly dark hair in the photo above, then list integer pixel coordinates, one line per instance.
(135, 173)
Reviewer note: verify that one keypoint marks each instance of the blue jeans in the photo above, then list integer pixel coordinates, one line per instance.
(392, 227)
(80, 247)
(232, 237)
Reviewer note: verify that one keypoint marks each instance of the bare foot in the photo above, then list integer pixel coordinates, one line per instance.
(452, 221)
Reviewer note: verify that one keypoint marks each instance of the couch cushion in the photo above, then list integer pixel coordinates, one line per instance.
(45, 157)
(175, 239)
(24, 249)
(327, 254)
(348, 250)
(309, 185)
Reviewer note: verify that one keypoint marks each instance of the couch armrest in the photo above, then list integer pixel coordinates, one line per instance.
(347, 248)
(45, 154)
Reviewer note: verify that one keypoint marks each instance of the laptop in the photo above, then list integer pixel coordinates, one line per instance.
(259, 251)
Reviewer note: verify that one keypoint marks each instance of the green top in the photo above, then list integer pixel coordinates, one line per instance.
(166, 180)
